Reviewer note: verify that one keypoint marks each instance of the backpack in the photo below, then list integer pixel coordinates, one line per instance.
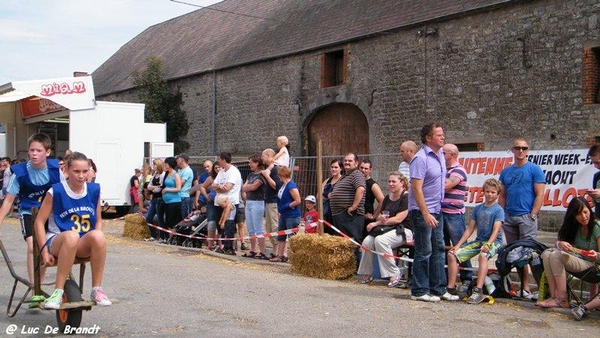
(518, 254)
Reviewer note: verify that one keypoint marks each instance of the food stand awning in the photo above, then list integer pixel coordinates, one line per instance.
(74, 93)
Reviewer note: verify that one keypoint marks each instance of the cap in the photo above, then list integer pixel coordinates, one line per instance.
(184, 156)
(311, 198)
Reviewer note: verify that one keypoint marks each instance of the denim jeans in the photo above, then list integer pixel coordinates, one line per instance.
(228, 232)
(286, 224)
(187, 205)
(211, 216)
(454, 228)
(254, 217)
(153, 210)
(429, 275)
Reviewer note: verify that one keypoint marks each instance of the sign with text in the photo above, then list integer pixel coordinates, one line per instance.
(568, 173)
(34, 106)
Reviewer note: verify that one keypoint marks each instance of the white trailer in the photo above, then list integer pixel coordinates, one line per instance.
(113, 134)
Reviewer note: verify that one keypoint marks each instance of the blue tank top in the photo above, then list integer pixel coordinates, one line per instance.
(31, 195)
(72, 214)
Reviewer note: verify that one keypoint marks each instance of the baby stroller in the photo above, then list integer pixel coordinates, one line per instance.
(517, 255)
(194, 225)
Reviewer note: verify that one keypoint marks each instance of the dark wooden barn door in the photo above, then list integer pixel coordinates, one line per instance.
(342, 127)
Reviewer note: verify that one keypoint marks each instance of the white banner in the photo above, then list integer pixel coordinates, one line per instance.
(568, 173)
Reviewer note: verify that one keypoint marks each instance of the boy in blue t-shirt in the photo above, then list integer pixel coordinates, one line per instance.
(30, 181)
(488, 218)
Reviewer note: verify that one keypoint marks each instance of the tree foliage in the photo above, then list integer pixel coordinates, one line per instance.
(162, 105)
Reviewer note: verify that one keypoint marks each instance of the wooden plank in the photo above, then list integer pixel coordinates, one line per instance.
(84, 304)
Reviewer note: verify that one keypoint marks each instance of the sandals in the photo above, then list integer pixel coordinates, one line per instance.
(279, 259)
(552, 302)
(250, 254)
(261, 256)
(367, 280)
(395, 282)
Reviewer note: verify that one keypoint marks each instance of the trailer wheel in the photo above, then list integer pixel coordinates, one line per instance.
(72, 317)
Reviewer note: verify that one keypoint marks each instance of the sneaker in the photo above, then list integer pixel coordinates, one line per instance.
(426, 298)
(579, 312)
(243, 246)
(526, 295)
(35, 300)
(449, 296)
(477, 296)
(54, 301)
(100, 297)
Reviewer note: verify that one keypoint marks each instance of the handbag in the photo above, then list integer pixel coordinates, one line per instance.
(381, 229)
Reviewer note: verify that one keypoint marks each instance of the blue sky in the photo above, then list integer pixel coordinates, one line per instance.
(42, 39)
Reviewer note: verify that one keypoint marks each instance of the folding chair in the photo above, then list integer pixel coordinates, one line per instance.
(590, 276)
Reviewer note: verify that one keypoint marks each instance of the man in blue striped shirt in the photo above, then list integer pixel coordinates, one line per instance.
(453, 204)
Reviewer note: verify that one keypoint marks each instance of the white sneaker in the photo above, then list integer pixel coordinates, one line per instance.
(527, 295)
(53, 303)
(449, 296)
(426, 298)
(100, 297)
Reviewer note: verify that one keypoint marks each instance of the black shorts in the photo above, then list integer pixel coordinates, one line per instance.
(240, 213)
(26, 225)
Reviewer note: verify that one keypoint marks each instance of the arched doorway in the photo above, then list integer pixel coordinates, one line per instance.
(342, 127)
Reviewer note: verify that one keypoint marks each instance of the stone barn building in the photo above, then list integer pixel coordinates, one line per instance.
(364, 75)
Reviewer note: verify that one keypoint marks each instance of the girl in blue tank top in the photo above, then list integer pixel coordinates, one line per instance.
(73, 211)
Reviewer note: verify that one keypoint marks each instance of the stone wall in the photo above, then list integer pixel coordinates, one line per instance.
(489, 77)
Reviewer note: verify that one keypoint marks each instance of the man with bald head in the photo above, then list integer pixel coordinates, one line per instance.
(271, 189)
(453, 204)
(408, 149)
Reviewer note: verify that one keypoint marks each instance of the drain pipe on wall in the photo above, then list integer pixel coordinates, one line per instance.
(213, 122)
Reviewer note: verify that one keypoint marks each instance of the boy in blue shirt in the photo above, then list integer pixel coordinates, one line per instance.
(488, 218)
(30, 181)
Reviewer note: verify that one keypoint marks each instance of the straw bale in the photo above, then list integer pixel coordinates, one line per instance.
(322, 256)
(136, 227)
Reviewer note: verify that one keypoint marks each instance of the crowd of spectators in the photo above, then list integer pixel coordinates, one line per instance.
(425, 207)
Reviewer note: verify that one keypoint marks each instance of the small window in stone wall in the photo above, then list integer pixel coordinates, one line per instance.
(333, 68)
(479, 146)
(591, 140)
(591, 75)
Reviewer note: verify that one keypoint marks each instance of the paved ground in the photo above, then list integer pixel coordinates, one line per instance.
(165, 291)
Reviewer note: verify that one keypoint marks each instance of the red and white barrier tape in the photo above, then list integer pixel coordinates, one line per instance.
(383, 254)
(267, 235)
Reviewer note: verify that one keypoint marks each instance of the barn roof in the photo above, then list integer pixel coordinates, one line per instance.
(237, 32)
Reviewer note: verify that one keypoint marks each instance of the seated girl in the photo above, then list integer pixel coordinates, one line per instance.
(392, 215)
(73, 212)
(579, 231)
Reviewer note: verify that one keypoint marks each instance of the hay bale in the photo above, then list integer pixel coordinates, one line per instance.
(136, 227)
(325, 256)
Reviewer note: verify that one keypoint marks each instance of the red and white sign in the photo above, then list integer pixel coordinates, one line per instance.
(34, 106)
(568, 173)
(73, 93)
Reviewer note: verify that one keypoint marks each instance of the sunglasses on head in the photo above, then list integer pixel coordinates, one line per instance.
(521, 148)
